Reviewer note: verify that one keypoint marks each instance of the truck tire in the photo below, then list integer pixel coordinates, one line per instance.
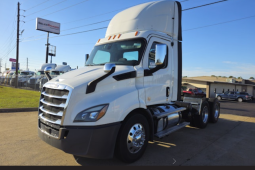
(201, 120)
(214, 110)
(240, 99)
(132, 139)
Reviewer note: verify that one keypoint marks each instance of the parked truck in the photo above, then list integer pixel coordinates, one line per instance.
(60, 69)
(128, 93)
(34, 81)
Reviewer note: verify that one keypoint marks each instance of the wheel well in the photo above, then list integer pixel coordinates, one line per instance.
(148, 116)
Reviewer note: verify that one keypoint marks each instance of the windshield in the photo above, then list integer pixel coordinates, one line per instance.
(127, 52)
(54, 73)
(24, 73)
(39, 73)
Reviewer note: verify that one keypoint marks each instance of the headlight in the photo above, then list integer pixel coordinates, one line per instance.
(92, 114)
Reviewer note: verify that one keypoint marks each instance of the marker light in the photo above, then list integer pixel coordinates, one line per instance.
(136, 33)
(109, 37)
(98, 40)
(113, 36)
(119, 35)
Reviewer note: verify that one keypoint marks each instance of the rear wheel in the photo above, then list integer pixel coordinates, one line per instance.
(201, 120)
(132, 139)
(215, 110)
(240, 99)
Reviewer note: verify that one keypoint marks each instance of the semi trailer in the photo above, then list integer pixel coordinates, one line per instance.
(129, 91)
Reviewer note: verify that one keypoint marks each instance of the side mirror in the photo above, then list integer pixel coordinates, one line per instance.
(47, 73)
(160, 55)
(47, 69)
(108, 67)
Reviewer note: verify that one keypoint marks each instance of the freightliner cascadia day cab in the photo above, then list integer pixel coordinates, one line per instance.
(128, 93)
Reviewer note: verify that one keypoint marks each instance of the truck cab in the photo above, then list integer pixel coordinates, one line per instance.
(129, 91)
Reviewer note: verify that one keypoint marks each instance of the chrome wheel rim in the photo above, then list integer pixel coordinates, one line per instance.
(219, 98)
(135, 138)
(216, 113)
(239, 99)
(205, 114)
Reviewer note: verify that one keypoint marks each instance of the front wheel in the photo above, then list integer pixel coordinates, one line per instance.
(132, 139)
(240, 99)
(219, 98)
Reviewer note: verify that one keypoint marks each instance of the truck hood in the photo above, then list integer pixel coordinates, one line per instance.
(85, 75)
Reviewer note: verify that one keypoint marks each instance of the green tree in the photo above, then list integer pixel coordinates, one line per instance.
(230, 77)
(239, 77)
(212, 75)
(252, 78)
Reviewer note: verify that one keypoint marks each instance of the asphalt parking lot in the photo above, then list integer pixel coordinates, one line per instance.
(228, 142)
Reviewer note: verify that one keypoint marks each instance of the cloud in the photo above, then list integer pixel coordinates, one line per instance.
(229, 62)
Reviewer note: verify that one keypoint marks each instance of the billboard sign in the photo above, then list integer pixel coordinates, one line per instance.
(47, 26)
(12, 59)
(14, 66)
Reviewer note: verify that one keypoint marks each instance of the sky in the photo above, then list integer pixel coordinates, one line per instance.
(217, 39)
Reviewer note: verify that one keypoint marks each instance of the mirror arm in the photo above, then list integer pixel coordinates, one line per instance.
(48, 76)
(151, 71)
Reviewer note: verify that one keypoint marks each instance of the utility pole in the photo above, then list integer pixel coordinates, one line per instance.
(0, 65)
(5, 67)
(27, 63)
(47, 48)
(17, 48)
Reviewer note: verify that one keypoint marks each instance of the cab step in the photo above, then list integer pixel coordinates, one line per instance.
(171, 130)
(164, 114)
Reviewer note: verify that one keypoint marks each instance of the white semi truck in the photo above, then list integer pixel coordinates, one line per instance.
(129, 91)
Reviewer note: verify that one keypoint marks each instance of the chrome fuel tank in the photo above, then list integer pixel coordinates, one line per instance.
(168, 121)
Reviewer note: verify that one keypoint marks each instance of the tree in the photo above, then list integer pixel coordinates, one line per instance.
(219, 76)
(212, 75)
(230, 77)
(252, 78)
(224, 76)
(239, 77)
(184, 76)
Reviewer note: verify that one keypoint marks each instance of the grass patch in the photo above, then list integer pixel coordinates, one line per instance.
(18, 98)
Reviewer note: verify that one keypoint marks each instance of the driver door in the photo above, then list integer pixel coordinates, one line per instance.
(157, 86)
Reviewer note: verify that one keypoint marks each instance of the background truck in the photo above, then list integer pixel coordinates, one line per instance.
(34, 81)
(128, 93)
(60, 69)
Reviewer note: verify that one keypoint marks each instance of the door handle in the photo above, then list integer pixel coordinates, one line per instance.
(167, 91)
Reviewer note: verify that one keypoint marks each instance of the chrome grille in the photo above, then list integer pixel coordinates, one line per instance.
(53, 104)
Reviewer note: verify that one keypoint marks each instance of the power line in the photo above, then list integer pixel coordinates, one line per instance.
(69, 34)
(204, 5)
(219, 23)
(112, 11)
(70, 28)
(61, 9)
(38, 5)
(46, 8)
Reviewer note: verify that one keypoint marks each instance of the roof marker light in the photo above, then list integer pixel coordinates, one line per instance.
(113, 36)
(109, 37)
(119, 35)
(136, 33)
(98, 40)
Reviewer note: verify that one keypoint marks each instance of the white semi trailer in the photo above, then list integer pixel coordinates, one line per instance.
(129, 91)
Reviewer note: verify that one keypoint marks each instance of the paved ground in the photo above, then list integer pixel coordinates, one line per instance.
(229, 142)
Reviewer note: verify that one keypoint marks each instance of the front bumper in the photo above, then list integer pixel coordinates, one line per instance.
(91, 142)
